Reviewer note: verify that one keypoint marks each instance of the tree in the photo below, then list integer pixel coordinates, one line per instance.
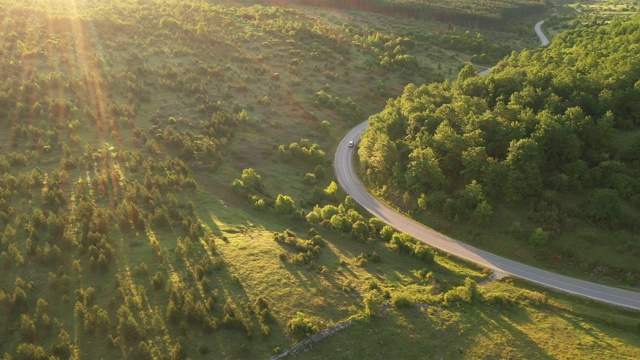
(62, 348)
(557, 140)
(252, 180)
(331, 191)
(27, 351)
(604, 207)
(469, 198)
(523, 163)
(128, 327)
(482, 213)
(329, 211)
(27, 328)
(423, 172)
(340, 222)
(468, 71)
(448, 145)
(360, 230)
(325, 127)
(284, 205)
(378, 156)
(475, 162)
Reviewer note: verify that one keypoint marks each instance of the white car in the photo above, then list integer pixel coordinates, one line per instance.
(351, 143)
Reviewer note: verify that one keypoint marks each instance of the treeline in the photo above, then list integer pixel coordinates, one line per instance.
(547, 127)
(466, 12)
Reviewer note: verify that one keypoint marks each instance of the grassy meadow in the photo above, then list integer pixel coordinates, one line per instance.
(133, 228)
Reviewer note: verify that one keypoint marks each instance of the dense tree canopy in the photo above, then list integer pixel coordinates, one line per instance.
(544, 120)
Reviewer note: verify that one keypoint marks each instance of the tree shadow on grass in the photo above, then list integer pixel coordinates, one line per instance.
(433, 332)
(498, 326)
(597, 323)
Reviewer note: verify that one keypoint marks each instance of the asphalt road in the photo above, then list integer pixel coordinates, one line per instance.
(543, 41)
(349, 181)
(543, 38)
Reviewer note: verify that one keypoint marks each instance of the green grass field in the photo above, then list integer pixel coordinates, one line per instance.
(125, 124)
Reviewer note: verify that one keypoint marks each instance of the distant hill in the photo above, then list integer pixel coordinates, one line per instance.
(468, 12)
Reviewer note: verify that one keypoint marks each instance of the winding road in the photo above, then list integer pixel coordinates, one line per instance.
(349, 181)
(538, 28)
(543, 41)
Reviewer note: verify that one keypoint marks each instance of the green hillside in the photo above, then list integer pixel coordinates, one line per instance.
(485, 13)
(166, 191)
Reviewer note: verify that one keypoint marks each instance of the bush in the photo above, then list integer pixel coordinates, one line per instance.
(340, 222)
(30, 352)
(403, 243)
(457, 295)
(319, 172)
(424, 253)
(329, 211)
(386, 233)
(27, 328)
(432, 202)
(301, 326)
(284, 205)
(157, 281)
(539, 237)
(472, 289)
(261, 304)
(373, 302)
(401, 300)
(309, 179)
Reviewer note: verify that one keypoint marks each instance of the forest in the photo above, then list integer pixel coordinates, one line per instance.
(474, 13)
(166, 187)
(554, 131)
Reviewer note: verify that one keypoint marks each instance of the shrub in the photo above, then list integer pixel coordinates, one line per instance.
(401, 300)
(301, 326)
(309, 179)
(62, 348)
(261, 304)
(331, 191)
(457, 295)
(128, 327)
(539, 237)
(376, 224)
(340, 222)
(372, 303)
(403, 243)
(258, 202)
(472, 289)
(329, 211)
(319, 172)
(28, 351)
(27, 328)
(157, 281)
(284, 205)
(424, 253)
(386, 233)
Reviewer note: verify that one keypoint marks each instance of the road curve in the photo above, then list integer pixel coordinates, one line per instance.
(538, 29)
(349, 181)
(543, 41)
